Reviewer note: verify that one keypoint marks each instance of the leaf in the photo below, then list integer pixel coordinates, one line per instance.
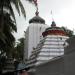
(2, 37)
(22, 9)
(12, 13)
(16, 3)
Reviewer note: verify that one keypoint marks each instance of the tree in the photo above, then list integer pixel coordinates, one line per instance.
(18, 51)
(8, 22)
(8, 25)
(68, 31)
(2, 63)
(7, 39)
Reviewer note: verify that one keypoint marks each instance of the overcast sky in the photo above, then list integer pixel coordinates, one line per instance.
(63, 14)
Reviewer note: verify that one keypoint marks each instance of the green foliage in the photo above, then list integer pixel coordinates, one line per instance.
(8, 25)
(19, 49)
(68, 31)
(2, 63)
(6, 37)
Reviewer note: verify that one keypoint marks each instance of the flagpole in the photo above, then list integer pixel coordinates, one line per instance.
(52, 15)
(36, 4)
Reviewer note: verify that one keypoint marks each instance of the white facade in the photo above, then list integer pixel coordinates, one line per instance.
(53, 46)
(33, 36)
(49, 47)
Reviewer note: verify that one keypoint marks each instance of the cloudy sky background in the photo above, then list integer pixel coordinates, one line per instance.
(63, 14)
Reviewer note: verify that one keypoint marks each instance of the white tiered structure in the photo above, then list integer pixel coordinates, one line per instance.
(34, 34)
(51, 46)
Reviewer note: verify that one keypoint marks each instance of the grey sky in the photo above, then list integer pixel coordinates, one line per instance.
(63, 14)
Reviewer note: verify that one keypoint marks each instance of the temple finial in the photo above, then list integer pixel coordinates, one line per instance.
(53, 22)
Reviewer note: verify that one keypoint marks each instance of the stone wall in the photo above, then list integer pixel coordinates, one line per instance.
(70, 64)
(69, 57)
(54, 67)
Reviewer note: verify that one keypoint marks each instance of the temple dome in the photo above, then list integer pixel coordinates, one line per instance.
(37, 19)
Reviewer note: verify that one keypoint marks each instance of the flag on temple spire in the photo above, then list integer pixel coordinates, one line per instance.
(35, 2)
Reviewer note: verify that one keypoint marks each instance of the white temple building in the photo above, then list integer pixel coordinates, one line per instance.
(51, 46)
(34, 34)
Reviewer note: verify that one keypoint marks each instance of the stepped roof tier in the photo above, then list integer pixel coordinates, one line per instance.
(54, 30)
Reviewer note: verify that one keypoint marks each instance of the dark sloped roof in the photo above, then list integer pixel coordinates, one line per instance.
(37, 19)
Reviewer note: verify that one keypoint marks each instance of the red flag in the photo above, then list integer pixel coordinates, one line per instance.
(35, 2)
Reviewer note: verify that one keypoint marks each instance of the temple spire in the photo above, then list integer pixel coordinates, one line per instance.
(53, 22)
(52, 15)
